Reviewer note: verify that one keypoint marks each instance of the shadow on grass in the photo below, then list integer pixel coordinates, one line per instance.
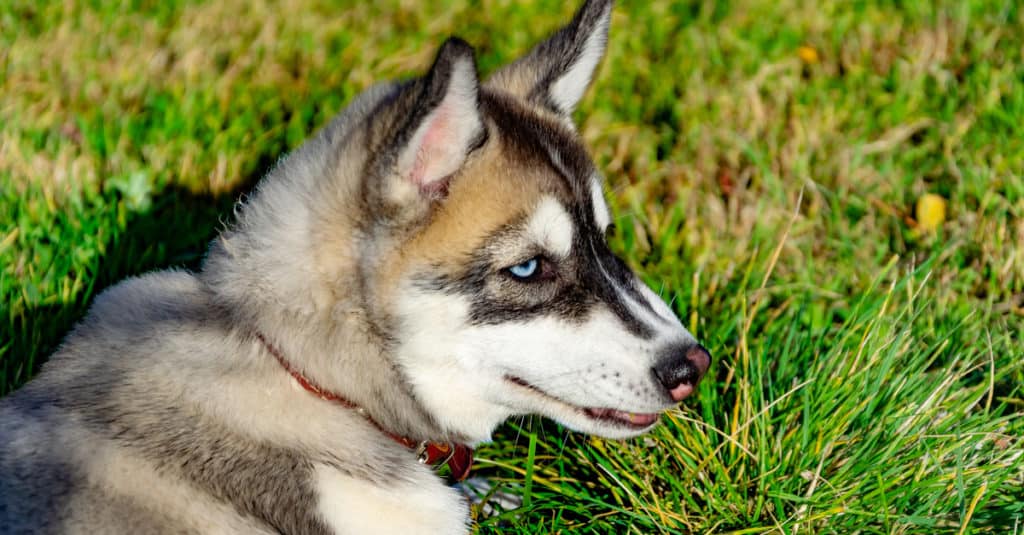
(1005, 514)
(174, 232)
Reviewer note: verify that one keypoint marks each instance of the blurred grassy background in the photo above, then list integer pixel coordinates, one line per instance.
(830, 193)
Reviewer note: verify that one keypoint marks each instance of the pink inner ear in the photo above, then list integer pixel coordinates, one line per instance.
(433, 151)
(441, 144)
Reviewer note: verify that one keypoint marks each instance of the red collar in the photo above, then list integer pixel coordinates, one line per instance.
(458, 457)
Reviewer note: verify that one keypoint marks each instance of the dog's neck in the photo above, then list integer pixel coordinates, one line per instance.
(457, 456)
(337, 349)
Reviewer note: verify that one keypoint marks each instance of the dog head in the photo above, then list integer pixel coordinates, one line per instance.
(486, 258)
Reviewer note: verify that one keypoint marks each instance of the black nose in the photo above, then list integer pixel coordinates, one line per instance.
(680, 369)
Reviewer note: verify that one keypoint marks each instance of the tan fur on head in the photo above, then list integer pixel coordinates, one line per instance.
(491, 191)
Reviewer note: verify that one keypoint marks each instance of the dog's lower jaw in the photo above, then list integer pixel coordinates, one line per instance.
(600, 426)
(460, 406)
(472, 409)
(604, 422)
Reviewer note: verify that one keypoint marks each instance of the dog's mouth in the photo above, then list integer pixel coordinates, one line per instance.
(628, 420)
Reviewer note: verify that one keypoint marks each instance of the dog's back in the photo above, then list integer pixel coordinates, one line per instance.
(63, 464)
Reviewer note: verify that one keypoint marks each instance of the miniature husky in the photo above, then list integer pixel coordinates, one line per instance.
(431, 263)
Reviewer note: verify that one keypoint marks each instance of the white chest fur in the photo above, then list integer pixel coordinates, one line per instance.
(419, 503)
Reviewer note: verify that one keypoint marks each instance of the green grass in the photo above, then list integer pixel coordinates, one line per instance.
(764, 160)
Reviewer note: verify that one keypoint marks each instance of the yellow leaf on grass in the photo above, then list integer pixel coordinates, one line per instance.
(807, 54)
(931, 211)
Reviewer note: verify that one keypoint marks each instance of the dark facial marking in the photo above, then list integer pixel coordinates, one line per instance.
(581, 282)
(592, 275)
(533, 140)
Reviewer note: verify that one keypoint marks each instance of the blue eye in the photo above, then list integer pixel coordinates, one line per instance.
(526, 269)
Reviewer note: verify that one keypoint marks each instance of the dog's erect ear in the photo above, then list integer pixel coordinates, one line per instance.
(440, 125)
(446, 123)
(557, 72)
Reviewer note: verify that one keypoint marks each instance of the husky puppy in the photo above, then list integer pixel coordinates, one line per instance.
(431, 263)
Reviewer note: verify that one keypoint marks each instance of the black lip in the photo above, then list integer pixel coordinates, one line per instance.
(597, 414)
